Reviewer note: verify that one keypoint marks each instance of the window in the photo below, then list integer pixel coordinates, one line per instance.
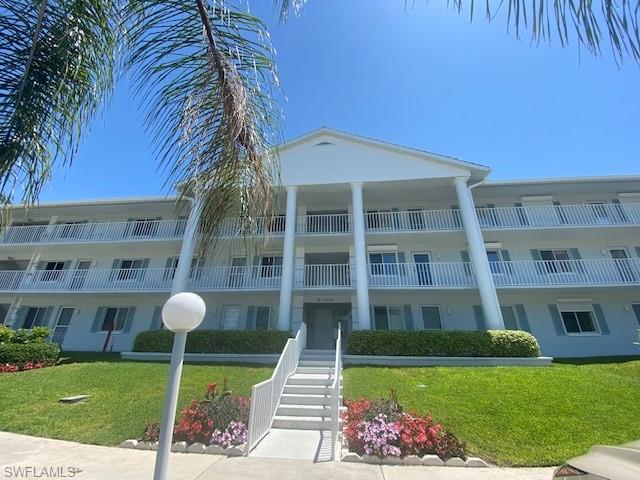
(114, 319)
(263, 317)
(383, 263)
(431, 319)
(230, 317)
(34, 317)
(388, 318)
(495, 261)
(636, 311)
(129, 269)
(271, 266)
(556, 261)
(52, 271)
(144, 227)
(509, 317)
(196, 264)
(577, 322)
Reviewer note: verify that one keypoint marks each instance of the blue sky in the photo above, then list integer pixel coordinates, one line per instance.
(423, 78)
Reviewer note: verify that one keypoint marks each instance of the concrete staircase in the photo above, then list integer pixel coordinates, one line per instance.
(305, 403)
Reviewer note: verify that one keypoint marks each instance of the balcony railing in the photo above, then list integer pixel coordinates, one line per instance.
(427, 275)
(525, 273)
(326, 224)
(324, 276)
(95, 232)
(433, 275)
(413, 221)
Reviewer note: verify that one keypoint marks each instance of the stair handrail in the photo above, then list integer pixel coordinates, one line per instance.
(335, 394)
(265, 396)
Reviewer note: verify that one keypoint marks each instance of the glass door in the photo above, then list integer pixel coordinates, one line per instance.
(62, 324)
(80, 274)
(423, 268)
(622, 264)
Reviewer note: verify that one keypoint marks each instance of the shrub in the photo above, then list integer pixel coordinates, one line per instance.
(369, 430)
(490, 343)
(214, 341)
(29, 353)
(225, 407)
(23, 335)
(194, 425)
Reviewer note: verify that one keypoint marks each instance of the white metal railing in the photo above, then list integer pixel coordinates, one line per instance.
(325, 224)
(544, 216)
(520, 273)
(335, 394)
(324, 276)
(553, 273)
(233, 227)
(427, 275)
(413, 220)
(94, 232)
(265, 396)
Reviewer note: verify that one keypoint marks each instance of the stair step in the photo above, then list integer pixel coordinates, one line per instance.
(302, 423)
(305, 399)
(310, 379)
(315, 369)
(308, 390)
(319, 352)
(317, 363)
(288, 410)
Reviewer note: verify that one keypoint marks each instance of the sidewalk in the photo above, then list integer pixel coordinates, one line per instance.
(109, 463)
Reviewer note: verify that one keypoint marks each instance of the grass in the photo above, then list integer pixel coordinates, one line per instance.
(125, 396)
(518, 416)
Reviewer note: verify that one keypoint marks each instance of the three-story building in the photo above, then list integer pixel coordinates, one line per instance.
(371, 235)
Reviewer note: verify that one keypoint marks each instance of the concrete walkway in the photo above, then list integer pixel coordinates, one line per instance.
(108, 463)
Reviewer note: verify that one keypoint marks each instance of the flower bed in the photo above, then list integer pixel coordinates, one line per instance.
(381, 432)
(217, 425)
(12, 367)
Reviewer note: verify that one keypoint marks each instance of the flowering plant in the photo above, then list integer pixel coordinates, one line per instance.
(382, 428)
(194, 425)
(380, 437)
(10, 367)
(235, 434)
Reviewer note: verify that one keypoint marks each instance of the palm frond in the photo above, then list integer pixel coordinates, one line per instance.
(586, 22)
(285, 7)
(57, 65)
(205, 74)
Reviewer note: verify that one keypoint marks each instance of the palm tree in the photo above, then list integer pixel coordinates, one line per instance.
(205, 72)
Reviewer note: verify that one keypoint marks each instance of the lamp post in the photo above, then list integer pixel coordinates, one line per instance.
(182, 313)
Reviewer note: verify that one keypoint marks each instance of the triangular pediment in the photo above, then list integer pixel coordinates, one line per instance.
(327, 156)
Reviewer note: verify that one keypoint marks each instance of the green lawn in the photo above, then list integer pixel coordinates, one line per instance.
(507, 415)
(125, 396)
(516, 415)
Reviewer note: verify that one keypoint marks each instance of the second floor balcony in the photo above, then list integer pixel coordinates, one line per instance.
(413, 276)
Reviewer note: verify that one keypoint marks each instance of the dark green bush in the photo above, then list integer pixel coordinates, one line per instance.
(214, 341)
(425, 343)
(19, 354)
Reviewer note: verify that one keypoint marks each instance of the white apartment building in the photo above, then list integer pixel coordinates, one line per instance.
(372, 235)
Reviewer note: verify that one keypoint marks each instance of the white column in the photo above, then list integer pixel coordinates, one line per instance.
(288, 260)
(360, 250)
(478, 254)
(189, 240)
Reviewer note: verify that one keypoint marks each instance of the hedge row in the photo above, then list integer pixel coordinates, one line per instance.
(214, 341)
(19, 354)
(424, 343)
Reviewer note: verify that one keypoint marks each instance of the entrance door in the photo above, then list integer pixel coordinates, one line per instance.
(62, 324)
(231, 317)
(423, 269)
(622, 264)
(80, 274)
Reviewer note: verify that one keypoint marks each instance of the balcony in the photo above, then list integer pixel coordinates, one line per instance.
(329, 276)
(73, 233)
(435, 275)
(512, 274)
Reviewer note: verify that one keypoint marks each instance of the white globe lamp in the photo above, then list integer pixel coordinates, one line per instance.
(183, 312)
